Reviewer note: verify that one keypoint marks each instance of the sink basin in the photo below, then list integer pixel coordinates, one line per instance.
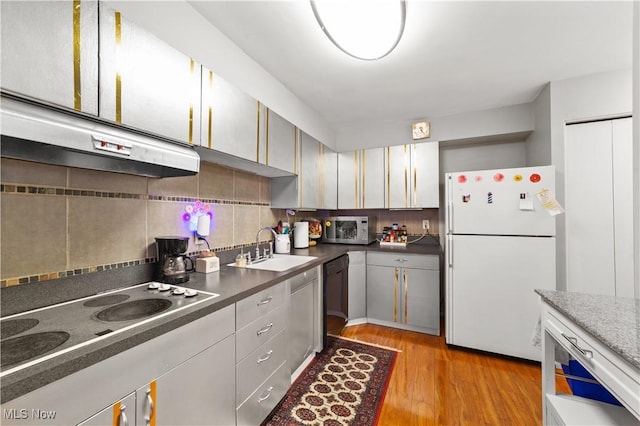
(279, 263)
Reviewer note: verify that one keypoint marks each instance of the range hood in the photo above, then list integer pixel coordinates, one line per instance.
(34, 132)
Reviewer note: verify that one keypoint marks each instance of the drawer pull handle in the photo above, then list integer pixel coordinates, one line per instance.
(265, 300)
(265, 329)
(401, 260)
(122, 418)
(264, 398)
(265, 357)
(574, 343)
(148, 408)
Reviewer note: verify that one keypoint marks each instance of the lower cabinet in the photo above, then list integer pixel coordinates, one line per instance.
(403, 290)
(303, 290)
(357, 287)
(261, 372)
(122, 413)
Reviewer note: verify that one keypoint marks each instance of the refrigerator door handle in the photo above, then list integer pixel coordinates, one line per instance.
(450, 251)
(449, 205)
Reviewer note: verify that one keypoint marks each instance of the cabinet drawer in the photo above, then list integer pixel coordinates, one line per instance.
(259, 365)
(417, 261)
(259, 332)
(301, 279)
(253, 307)
(601, 362)
(256, 408)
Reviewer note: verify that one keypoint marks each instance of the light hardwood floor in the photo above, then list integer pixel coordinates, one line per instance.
(433, 384)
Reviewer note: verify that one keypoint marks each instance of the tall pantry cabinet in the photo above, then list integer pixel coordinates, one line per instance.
(599, 207)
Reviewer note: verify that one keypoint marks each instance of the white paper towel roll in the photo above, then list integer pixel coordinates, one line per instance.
(301, 235)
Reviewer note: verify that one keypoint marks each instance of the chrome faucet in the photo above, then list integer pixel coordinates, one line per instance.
(267, 228)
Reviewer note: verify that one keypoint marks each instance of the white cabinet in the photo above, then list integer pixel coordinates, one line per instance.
(616, 374)
(412, 175)
(230, 118)
(145, 83)
(50, 52)
(403, 290)
(361, 177)
(357, 287)
(327, 179)
(599, 207)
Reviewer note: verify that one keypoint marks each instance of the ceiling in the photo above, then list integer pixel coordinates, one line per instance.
(454, 56)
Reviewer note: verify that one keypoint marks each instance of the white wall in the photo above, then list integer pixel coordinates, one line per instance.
(476, 124)
(482, 157)
(595, 96)
(539, 143)
(203, 42)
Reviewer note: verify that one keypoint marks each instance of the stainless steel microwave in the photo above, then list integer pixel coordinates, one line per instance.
(349, 229)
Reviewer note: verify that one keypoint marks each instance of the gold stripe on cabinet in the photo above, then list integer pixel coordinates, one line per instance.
(355, 178)
(388, 177)
(406, 296)
(191, 68)
(210, 118)
(321, 192)
(267, 136)
(115, 417)
(364, 179)
(414, 159)
(118, 35)
(295, 150)
(77, 83)
(258, 132)
(406, 179)
(395, 294)
(154, 407)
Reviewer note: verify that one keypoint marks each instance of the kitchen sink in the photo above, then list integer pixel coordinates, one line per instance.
(279, 262)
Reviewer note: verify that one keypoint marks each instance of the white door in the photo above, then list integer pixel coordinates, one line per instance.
(491, 304)
(598, 202)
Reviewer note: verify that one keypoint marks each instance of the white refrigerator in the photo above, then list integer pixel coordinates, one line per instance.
(500, 246)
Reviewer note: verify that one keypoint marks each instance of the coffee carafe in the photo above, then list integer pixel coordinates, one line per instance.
(173, 265)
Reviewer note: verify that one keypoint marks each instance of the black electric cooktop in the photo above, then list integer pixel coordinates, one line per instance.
(34, 336)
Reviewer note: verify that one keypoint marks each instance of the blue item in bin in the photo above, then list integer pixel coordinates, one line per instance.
(586, 389)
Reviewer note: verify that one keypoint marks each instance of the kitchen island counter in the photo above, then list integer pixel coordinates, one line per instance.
(614, 321)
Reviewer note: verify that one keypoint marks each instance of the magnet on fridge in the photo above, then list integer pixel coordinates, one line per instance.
(489, 197)
(466, 198)
(526, 203)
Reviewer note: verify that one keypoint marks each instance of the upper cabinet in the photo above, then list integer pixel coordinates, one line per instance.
(361, 177)
(50, 52)
(412, 175)
(230, 118)
(315, 186)
(145, 83)
(277, 147)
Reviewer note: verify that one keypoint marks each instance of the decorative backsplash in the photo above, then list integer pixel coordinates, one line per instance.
(59, 222)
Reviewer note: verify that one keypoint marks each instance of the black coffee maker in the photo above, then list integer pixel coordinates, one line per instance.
(173, 265)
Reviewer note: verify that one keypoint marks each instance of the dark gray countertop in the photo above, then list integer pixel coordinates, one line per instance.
(231, 283)
(614, 321)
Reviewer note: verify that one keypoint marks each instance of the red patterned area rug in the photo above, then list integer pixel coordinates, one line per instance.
(344, 385)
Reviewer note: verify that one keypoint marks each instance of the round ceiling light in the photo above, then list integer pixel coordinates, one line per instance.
(364, 29)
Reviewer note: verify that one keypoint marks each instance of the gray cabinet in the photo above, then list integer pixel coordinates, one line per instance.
(195, 392)
(403, 290)
(122, 413)
(145, 83)
(304, 304)
(313, 187)
(278, 141)
(412, 175)
(357, 287)
(361, 177)
(50, 52)
(230, 118)
(261, 373)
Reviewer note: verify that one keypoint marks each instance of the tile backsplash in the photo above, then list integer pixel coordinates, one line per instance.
(58, 221)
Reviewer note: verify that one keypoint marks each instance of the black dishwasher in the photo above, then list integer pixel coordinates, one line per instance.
(335, 296)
